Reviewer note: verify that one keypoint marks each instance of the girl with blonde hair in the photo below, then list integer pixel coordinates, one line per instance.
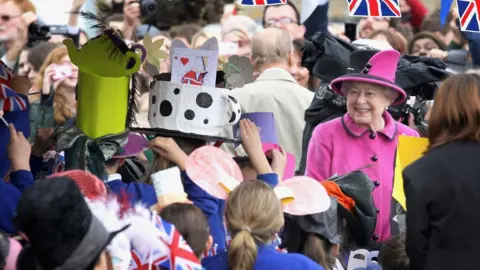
(253, 215)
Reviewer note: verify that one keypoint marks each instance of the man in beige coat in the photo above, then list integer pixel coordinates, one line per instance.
(275, 90)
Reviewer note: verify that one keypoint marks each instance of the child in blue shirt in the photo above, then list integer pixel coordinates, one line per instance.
(212, 207)
(254, 215)
(137, 192)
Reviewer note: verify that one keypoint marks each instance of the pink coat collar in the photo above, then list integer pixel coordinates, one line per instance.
(354, 130)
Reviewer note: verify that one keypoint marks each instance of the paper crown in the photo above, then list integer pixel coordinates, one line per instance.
(105, 65)
(192, 109)
(216, 172)
(168, 186)
(265, 122)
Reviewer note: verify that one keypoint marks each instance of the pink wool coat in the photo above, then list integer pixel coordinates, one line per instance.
(341, 146)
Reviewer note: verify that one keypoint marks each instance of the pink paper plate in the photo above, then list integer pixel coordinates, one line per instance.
(310, 196)
(207, 165)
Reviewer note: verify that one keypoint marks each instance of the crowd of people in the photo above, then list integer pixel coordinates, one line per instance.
(295, 169)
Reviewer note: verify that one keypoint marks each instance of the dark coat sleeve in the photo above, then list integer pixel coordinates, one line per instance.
(418, 231)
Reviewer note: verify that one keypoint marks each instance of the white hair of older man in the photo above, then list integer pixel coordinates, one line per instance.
(271, 46)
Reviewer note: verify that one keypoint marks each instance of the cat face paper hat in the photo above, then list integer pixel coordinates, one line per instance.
(190, 105)
(217, 173)
(266, 124)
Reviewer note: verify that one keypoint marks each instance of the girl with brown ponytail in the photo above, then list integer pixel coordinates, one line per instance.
(253, 215)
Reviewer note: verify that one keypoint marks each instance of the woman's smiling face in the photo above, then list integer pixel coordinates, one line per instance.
(366, 102)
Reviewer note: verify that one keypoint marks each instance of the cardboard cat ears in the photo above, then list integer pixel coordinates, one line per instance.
(216, 172)
(210, 45)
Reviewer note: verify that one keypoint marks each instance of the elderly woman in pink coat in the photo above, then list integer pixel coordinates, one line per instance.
(367, 134)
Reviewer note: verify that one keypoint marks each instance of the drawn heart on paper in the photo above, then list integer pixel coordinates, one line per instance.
(176, 57)
(184, 60)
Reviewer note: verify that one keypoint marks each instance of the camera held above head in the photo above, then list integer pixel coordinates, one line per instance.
(147, 7)
(38, 31)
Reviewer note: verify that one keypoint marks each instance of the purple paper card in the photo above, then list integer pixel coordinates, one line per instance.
(266, 124)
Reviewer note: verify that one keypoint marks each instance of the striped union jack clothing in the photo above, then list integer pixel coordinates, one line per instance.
(374, 8)
(10, 101)
(261, 2)
(180, 257)
(469, 12)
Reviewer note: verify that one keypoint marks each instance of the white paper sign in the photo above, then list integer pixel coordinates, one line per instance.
(167, 182)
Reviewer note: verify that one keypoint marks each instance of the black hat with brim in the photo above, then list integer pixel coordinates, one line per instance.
(61, 229)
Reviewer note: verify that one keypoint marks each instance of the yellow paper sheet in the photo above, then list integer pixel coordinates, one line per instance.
(409, 149)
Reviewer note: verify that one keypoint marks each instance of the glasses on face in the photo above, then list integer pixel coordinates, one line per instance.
(355, 93)
(281, 21)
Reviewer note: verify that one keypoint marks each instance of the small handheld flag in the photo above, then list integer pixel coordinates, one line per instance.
(261, 2)
(469, 13)
(9, 100)
(374, 8)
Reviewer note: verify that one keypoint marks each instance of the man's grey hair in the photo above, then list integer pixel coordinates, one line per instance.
(271, 46)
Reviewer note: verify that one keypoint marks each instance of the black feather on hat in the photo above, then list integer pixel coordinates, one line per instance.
(59, 226)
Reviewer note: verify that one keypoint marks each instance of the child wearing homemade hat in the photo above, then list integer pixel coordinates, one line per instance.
(135, 191)
(315, 236)
(212, 207)
(253, 214)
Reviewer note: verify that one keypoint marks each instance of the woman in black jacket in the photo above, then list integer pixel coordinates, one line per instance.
(442, 188)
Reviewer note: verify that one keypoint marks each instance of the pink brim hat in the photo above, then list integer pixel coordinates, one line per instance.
(336, 84)
(372, 67)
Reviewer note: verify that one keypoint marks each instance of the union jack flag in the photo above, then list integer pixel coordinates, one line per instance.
(261, 2)
(469, 12)
(374, 8)
(180, 256)
(9, 99)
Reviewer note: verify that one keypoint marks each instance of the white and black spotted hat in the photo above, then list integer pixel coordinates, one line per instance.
(185, 110)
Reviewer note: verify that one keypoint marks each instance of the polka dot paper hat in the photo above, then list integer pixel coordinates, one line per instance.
(189, 105)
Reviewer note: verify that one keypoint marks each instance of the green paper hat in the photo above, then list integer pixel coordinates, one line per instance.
(105, 102)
